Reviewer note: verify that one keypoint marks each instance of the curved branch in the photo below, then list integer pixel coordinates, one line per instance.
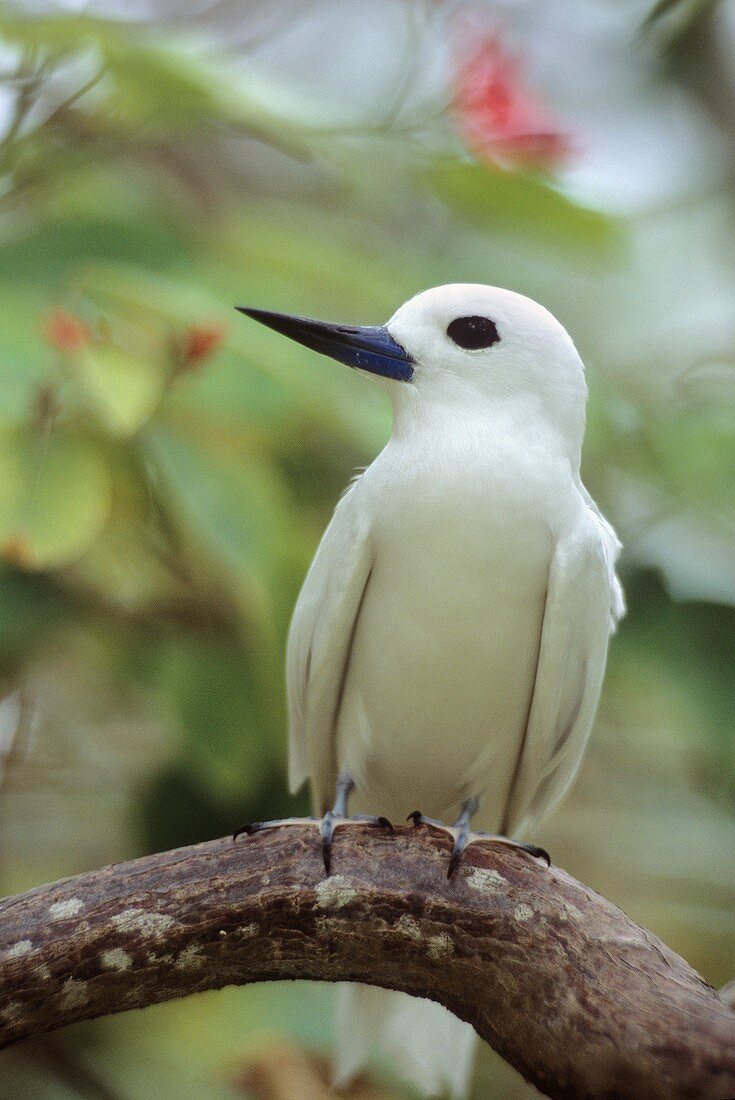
(581, 1000)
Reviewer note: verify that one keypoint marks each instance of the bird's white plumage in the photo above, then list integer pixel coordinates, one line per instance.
(451, 636)
(319, 644)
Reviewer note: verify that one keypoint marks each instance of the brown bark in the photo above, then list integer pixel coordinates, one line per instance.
(581, 1000)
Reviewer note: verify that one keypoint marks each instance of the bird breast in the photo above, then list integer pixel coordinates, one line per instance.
(446, 644)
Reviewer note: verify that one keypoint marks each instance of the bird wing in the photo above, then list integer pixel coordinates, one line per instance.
(611, 547)
(584, 601)
(319, 645)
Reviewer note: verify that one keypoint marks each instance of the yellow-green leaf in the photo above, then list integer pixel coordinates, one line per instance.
(55, 497)
(122, 389)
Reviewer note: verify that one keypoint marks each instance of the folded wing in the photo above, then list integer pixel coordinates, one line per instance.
(319, 645)
(584, 601)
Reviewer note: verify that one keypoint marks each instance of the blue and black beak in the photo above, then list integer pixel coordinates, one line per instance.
(366, 347)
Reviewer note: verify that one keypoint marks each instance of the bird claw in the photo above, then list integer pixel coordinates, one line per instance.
(461, 842)
(535, 851)
(421, 819)
(258, 826)
(329, 823)
(462, 836)
(327, 826)
(370, 819)
(459, 832)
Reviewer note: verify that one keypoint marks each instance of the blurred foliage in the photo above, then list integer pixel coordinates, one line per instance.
(681, 12)
(503, 201)
(166, 469)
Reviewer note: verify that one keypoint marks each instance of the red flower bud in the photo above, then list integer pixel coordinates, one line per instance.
(17, 551)
(201, 341)
(66, 332)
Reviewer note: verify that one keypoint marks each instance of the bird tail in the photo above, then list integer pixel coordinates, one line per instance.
(428, 1046)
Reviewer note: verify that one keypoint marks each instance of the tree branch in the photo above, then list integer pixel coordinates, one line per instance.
(581, 1000)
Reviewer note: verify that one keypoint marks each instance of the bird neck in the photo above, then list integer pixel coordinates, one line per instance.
(508, 423)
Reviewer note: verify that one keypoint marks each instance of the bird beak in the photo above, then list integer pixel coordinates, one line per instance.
(366, 347)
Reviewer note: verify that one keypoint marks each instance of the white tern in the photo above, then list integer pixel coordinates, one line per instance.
(448, 646)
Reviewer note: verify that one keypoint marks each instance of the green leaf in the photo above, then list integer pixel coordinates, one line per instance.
(659, 9)
(122, 389)
(58, 245)
(24, 358)
(150, 84)
(693, 449)
(150, 296)
(498, 200)
(228, 509)
(685, 12)
(55, 497)
(128, 566)
(31, 608)
(159, 90)
(213, 689)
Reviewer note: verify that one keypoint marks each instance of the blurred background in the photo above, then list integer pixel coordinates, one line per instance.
(167, 467)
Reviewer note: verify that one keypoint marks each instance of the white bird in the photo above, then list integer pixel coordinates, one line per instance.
(448, 646)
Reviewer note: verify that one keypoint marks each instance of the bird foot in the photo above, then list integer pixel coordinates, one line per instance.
(327, 826)
(259, 826)
(332, 821)
(463, 836)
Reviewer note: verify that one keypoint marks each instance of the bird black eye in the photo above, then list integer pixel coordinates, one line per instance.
(473, 332)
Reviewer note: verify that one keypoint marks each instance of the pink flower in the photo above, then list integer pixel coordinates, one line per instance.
(500, 119)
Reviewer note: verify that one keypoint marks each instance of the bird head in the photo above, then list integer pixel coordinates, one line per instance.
(464, 346)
